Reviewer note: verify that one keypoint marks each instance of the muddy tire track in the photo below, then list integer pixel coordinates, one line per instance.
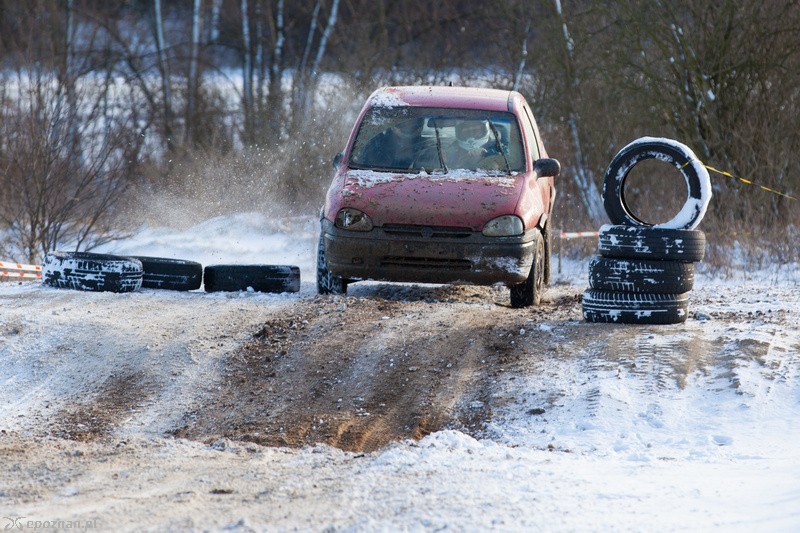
(359, 373)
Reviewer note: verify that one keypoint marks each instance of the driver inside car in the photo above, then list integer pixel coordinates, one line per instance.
(398, 145)
(475, 147)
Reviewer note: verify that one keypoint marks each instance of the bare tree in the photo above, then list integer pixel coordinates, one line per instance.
(308, 76)
(586, 186)
(163, 67)
(192, 81)
(274, 104)
(715, 76)
(248, 108)
(48, 198)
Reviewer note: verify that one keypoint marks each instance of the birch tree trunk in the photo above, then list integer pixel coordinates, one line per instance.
(323, 44)
(275, 92)
(260, 65)
(164, 70)
(299, 97)
(587, 188)
(70, 75)
(192, 82)
(247, 76)
(213, 26)
(523, 58)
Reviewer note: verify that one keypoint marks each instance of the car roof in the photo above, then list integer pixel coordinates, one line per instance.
(435, 96)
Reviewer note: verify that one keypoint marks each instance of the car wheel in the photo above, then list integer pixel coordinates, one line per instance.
(548, 253)
(648, 242)
(171, 274)
(327, 283)
(640, 275)
(669, 151)
(87, 271)
(259, 278)
(529, 292)
(634, 307)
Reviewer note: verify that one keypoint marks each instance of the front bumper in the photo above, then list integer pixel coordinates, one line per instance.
(423, 254)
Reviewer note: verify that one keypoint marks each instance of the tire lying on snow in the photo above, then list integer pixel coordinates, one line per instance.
(87, 271)
(649, 242)
(634, 307)
(259, 278)
(678, 155)
(640, 275)
(171, 274)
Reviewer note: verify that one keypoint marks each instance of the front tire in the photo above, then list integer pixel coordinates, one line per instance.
(548, 253)
(529, 292)
(327, 283)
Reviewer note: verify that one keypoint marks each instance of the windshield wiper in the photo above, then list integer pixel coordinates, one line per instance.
(499, 145)
(439, 146)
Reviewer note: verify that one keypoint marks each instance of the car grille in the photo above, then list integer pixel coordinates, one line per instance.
(426, 263)
(427, 232)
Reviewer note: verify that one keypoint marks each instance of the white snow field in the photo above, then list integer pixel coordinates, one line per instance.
(601, 436)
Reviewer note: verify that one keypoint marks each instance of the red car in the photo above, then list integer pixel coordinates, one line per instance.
(440, 185)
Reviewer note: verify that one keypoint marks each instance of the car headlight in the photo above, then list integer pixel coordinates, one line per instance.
(353, 220)
(505, 226)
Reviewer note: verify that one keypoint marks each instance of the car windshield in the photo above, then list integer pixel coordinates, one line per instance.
(424, 139)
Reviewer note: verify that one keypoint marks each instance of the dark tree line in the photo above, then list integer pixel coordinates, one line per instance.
(104, 102)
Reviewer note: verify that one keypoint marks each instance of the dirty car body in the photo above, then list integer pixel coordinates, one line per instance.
(439, 185)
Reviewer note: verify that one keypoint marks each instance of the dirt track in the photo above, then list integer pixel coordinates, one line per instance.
(97, 384)
(361, 372)
(358, 372)
(383, 364)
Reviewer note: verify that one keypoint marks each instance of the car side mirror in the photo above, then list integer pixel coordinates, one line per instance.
(547, 167)
(337, 159)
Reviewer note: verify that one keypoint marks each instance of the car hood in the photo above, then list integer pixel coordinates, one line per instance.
(457, 199)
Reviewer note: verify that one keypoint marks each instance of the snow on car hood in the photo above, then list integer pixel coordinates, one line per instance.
(459, 198)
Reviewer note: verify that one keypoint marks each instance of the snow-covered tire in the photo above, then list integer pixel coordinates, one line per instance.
(648, 242)
(327, 283)
(171, 274)
(529, 292)
(634, 307)
(676, 154)
(85, 271)
(640, 275)
(258, 278)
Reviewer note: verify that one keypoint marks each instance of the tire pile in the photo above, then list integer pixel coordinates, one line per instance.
(87, 271)
(644, 272)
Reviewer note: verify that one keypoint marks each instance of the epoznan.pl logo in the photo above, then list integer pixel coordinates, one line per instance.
(13, 523)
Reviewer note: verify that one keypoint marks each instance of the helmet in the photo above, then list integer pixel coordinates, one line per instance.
(410, 128)
(472, 134)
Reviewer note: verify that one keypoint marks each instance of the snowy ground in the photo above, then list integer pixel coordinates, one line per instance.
(614, 428)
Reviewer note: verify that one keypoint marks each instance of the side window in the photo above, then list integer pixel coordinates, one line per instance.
(532, 133)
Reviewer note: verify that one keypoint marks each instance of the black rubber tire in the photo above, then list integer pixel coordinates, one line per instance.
(640, 275)
(259, 278)
(676, 154)
(85, 271)
(327, 283)
(548, 253)
(647, 242)
(634, 307)
(171, 274)
(529, 292)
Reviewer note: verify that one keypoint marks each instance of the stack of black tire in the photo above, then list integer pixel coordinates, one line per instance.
(644, 272)
(88, 271)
